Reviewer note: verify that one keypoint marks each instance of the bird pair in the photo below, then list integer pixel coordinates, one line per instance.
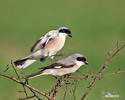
(47, 47)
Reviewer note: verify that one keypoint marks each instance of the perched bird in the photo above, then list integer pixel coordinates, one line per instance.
(47, 46)
(62, 67)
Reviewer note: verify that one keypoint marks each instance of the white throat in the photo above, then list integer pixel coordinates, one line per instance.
(62, 35)
(79, 63)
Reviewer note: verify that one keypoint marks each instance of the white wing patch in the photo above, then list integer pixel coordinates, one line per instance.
(57, 67)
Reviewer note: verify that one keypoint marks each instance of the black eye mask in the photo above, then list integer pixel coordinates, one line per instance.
(67, 31)
(81, 59)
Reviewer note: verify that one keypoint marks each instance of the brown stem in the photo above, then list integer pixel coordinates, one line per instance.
(57, 86)
(106, 65)
(89, 89)
(15, 70)
(26, 85)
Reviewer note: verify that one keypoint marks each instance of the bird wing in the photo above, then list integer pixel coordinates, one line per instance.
(67, 61)
(57, 66)
(40, 44)
(36, 46)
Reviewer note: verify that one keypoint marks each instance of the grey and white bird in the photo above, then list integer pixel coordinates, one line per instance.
(62, 67)
(47, 46)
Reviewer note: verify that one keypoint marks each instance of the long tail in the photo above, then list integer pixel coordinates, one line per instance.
(24, 62)
(34, 75)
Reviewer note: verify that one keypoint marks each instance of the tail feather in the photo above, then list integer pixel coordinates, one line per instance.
(20, 61)
(34, 75)
(23, 63)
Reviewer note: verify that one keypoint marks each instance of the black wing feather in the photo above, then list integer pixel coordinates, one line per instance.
(53, 66)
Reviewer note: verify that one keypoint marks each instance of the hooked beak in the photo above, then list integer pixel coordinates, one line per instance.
(70, 35)
(86, 62)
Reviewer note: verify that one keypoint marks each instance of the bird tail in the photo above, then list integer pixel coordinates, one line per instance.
(34, 75)
(24, 62)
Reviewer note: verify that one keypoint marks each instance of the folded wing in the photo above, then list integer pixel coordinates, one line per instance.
(40, 44)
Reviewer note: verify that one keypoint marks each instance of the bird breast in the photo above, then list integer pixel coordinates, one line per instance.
(56, 44)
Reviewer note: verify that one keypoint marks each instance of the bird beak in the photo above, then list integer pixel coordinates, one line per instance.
(70, 35)
(86, 62)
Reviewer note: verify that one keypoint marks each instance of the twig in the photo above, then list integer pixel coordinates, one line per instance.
(26, 98)
(15, 70)
(106, 65)
(34, 94)
(118, 72)
(29, 97)
(69, 94)
(57, 86)
(110, 58)
(95, 75)
(81, 78)
(25, 91)
(74, 90)
(26, 85)
(89, 89)
(7, 67)
(65, 92)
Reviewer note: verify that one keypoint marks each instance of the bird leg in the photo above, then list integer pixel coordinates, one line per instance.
(56, 55)
(66, 78)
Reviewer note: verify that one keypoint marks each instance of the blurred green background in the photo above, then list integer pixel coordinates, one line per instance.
(96, 26)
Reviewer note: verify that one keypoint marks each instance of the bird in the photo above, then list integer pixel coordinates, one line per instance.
(62, 67)
(46, 47)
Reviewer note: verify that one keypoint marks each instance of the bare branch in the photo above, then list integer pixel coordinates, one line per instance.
(7, 67)
(26, 85)
(89, 89)
(15, 70)
(106, 65)
(110, 74)
(110, 58)
(74, 90)
(26, 98)
(65, 80)
(66, 88)
(57, 86)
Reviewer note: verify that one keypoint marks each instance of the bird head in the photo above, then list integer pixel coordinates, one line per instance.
(80, 59)
(65, 30)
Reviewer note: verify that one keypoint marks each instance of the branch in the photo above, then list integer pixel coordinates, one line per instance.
(15, 70)
(106, 65)
(57, 86)
(26, 85)
(64, 80)
(118, 72)
(89, 89)
(110, 58)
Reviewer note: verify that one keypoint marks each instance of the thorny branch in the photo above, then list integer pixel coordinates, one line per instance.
(15, 70)
(89, 89)
(108, 60)
(63, 80)
(26, 85)
(106, 65)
